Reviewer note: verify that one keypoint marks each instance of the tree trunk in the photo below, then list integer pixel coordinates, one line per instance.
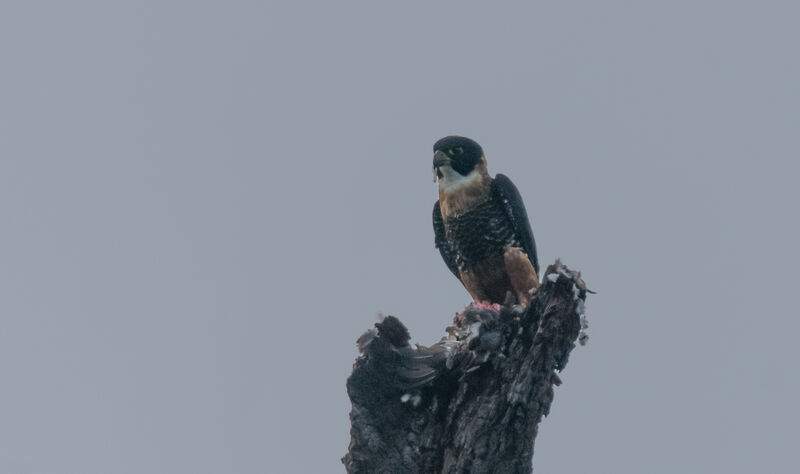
(472, 402)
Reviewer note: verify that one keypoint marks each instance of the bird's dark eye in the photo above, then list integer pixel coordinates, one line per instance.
(450, 152)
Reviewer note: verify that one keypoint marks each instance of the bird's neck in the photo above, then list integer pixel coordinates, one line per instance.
(458, 194)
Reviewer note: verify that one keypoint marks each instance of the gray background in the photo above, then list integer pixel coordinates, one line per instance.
(203, 205)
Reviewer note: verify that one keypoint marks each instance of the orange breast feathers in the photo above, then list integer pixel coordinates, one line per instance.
(458, 194)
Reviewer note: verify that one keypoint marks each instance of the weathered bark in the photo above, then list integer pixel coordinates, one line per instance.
(472, 402)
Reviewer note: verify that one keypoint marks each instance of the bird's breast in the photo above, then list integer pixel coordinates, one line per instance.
(458, 196)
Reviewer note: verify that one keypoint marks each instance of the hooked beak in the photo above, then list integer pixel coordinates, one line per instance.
(440, 159)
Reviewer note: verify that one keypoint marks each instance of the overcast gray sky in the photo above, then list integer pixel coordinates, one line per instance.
(204, 204)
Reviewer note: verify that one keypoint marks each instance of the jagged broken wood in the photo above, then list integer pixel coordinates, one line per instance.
(472, 402)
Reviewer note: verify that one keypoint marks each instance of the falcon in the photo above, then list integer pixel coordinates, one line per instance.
(481, 226)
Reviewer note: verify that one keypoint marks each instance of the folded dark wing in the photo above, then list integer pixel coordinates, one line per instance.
(515, 210)
(447, 251)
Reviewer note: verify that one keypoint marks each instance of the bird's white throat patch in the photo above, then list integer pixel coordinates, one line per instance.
(452, 180)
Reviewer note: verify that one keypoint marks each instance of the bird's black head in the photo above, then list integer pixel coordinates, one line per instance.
(460, 153)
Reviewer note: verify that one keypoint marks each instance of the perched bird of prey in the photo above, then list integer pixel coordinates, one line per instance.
(481, 227)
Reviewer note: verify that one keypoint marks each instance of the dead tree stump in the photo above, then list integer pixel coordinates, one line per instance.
(472, 402)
